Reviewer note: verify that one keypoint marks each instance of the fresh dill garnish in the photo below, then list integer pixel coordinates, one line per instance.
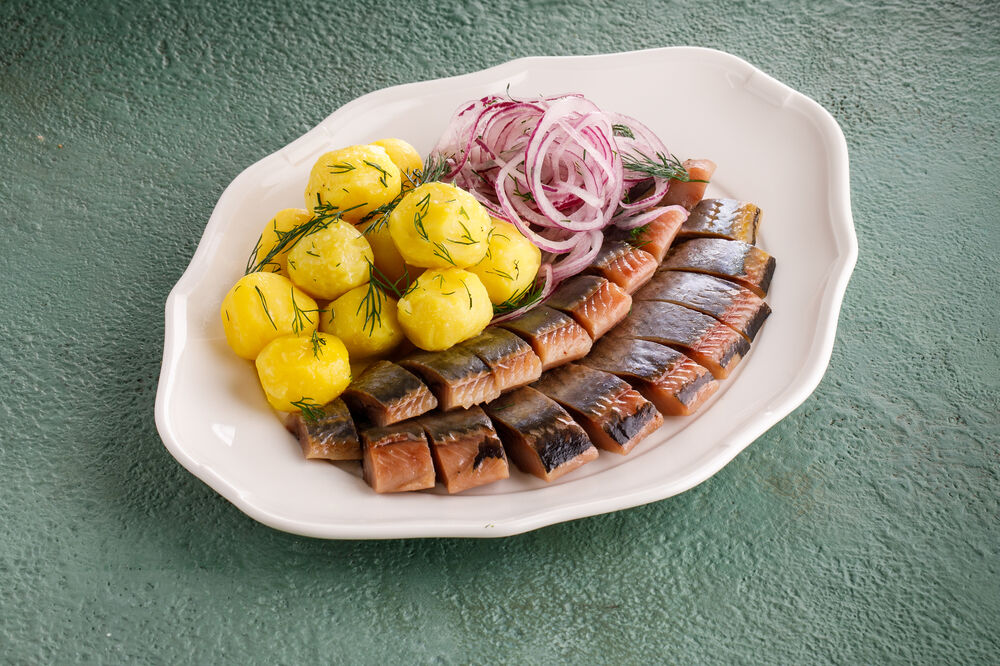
(504, 274)
(432, 170)
(527, 195)
(529, 295)
(441, 251)
(343, 167)
(440, 280)
(622, 130)
(383, 282)
(317, 342)
(312, 254)
(300, 317)
(311, 410)
(383, 175)
(423, 206)
(634, 234)
(263, 304)
(466, 238)
(371, 302)
(461, 211)
(467, 291)
(323, 216)
(663, 166)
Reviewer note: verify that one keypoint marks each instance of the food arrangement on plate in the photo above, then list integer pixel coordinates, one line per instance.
(547, 283)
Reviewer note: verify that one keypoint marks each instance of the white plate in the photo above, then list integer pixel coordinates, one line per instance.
(774, 146)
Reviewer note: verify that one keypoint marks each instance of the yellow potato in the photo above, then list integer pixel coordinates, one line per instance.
(330, 261)
(356, 180)
(510, 264)
(299, 372)
(365, 321)
(263, 306)
(440, 226)
(443, 308)
(388, 261)
(284, 221)
(405, 157)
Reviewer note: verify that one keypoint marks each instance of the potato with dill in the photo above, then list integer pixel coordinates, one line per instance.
(355, 180)
(330, 261)
(388, 261)
(440, 226)
(301, 373)
(405, 157)
(283, 222)
(365, 321)
(510, 265)
(443, 308)
(263, 306)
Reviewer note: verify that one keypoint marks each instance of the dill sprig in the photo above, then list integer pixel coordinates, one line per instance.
(663, 166)
(323, 216)
(311, 410)
(441, 251)
(263, 304)
(529, 295)
(622, 130)
(317, 342)
(371, 302)
(383, 175)
(433, 169)
(300, 317)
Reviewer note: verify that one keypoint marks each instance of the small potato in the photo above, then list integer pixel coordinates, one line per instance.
(405, 157)
(359, 178)
(443, 308)
(263, 306)
(297, 371)
(365, 321)
(440, 226)
(284, 221)
(388, 261)
(330, 261)
(511, 263)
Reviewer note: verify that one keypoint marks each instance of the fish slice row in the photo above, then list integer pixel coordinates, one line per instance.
(692, 320)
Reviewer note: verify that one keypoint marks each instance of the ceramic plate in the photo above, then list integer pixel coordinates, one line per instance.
(774, 146)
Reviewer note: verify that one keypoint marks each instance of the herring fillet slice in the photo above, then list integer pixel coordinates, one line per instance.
(723, 218)
(512, 360)
(740, 262)
(624, 264)
(555, 337)
(387, 393)
(689, 193)
(330, 436)
(466, 449)
(538, 434)
(594, 302)
(615, 416)
(457, 377)
(397, 458)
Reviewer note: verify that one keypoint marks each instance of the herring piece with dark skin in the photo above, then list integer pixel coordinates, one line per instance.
(466, 449)
(740, 262)
(723, 218)
(705, 339)
(615, 416)
(397, 458)
(688, 194)
(456, 376)
(670, 380)
(512, 360)
(624, 264)
(730, 303)
(329, 436)
(654, 237)
(387, 393)
(555, 337)
(594, 302)
(538, 434)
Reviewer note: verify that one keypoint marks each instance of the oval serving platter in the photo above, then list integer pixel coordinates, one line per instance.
(774, 146)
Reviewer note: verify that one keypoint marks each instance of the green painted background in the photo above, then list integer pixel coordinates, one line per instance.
(864, 528)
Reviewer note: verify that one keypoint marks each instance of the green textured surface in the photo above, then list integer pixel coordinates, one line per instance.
(863, 528)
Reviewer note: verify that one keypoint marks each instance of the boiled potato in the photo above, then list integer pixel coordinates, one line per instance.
(297, 371)
(405, 157)
(440, 226)
(443, 308)
(263, 306)
(356, 180)
(388, 260)
(365, 321)
(510, 264)
(284, 221)
(330, 261)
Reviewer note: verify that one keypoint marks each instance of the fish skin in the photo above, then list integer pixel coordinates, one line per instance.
(615, 416)
(466, 449)
(624, 264)
(331, 436)
(593, 301)
(387, 393)
(512, 360)
(705, 339)
(674, 383)
(538, 434)
(723, 218)
(729, 302)
(555, 337)
(456, 376)
(689, 193)
(397, 458)
(740, 262)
